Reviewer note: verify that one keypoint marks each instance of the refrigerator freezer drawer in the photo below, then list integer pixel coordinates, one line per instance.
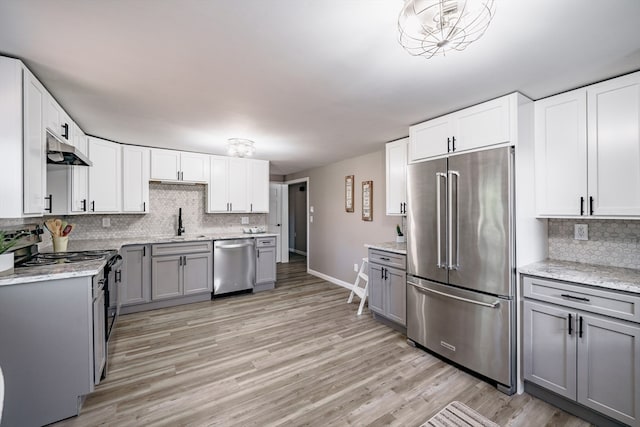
(466, 327)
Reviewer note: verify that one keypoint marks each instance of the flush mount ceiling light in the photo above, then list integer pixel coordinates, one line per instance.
(239, 147)
(434, 27)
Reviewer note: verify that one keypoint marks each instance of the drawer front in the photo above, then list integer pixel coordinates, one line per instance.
(265, 241)
(389, 259)
(181, 248)
(608, 303)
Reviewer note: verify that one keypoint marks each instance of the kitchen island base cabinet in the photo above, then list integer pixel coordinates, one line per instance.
(388, 286)
(579, 354)
(47, 350)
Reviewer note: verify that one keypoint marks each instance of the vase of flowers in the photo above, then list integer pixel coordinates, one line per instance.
(6, 257)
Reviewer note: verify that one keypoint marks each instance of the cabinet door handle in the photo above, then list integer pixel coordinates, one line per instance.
(448, 144)
(65, 131)
(570, 323)
(231, 207)
(258, 253)
(251, 207)
(575, 298)
(180, 261)
(185, 260)
(178, 173)
(590, 205)
(580, 328)
(381, 272)
(581, 205)
(144, 251)
(93, 206)
(144, 206)
(453, 143)
(50, 199)
(385, 274)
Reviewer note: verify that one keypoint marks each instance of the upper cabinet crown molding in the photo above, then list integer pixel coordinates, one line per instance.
(178, 166)
(486, 124)
(587, 151)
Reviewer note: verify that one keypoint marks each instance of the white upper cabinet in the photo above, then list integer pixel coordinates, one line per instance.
(105, 176)
(80, 176)
(587, 151)
(561, 154)
(396, 176)
(177, 166)
(613, 118)
(194, 167)
(430, 139)
(475, 127)
(238, 185)
(228, 186)
(35, 153)
(258, 185)
(22, 138)
(135, 178)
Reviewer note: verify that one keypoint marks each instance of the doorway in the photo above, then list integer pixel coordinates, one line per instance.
(289, 219)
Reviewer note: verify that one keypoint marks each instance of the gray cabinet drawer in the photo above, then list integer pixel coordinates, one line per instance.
(181, 248)
(608, 303)
(388, 259)
(262, 242)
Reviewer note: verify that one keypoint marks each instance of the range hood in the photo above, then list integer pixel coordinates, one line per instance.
(63, 153)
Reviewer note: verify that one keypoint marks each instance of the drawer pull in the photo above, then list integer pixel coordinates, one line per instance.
(385, 258)
(575, 298)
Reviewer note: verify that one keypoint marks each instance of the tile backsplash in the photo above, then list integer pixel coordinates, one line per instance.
(162, 220)
(611, 242)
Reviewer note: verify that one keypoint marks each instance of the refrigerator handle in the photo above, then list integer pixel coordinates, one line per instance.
(495, 304)
(451, 237)
(439, 175)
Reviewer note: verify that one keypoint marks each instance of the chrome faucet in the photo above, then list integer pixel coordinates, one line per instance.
(180, 225)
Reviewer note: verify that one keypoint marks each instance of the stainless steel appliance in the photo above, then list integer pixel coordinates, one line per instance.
(112, 293)
(234, 266)
(460, 259)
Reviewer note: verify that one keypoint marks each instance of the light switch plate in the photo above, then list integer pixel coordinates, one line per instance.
(244, 220)
(356, 268)
(311, 209)
(311, 218)
(106, 222)
(581, 232)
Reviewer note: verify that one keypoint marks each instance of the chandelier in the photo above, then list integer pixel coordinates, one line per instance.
(239, 147)
(434, 27)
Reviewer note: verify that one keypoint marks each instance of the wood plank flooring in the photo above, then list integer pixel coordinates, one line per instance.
(298, 355)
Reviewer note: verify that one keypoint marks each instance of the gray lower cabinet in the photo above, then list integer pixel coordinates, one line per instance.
(181, 269)
(579, 354)
(265, 263)
(388, 285)
(136, 274)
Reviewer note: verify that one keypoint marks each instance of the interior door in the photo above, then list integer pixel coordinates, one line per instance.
(480, 247)
(275, 216)
(426, 220)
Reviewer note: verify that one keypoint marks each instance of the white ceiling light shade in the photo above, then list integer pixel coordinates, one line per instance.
(239, 147)
(434, 27)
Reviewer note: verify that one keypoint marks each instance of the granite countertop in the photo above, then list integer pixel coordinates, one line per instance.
(91, 268)
(398, 248)
(615, 278)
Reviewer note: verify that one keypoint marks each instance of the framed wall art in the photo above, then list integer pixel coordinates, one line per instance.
(348, 193)
(367, 200)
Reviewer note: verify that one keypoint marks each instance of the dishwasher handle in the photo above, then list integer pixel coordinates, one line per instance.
(234, 246)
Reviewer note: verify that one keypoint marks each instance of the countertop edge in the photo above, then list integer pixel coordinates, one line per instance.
(394, 247)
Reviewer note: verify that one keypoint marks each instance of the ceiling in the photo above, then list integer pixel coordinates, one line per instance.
(311, 82)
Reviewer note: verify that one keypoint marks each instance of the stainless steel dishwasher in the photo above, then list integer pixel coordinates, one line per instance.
(234, 265)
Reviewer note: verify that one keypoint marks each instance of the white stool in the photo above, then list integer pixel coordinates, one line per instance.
(357, 290)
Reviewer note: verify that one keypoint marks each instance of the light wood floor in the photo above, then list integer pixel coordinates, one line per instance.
(297, 355)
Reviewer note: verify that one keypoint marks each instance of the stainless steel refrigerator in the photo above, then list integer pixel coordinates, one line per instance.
(460, 261)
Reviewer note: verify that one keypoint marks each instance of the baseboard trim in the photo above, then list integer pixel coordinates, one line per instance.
(331, 279)
(297, 251)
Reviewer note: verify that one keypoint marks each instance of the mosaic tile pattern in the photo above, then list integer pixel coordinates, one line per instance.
(162, 220)
(611, 242)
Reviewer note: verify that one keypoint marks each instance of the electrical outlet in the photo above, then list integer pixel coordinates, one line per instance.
(355, 268)
(581, 232)
(106, 222)
(311, 209)
(244, 220)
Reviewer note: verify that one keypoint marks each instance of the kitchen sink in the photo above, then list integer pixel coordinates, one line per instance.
(180, 238)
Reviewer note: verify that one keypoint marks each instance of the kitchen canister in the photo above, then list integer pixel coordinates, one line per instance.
(60, 243)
